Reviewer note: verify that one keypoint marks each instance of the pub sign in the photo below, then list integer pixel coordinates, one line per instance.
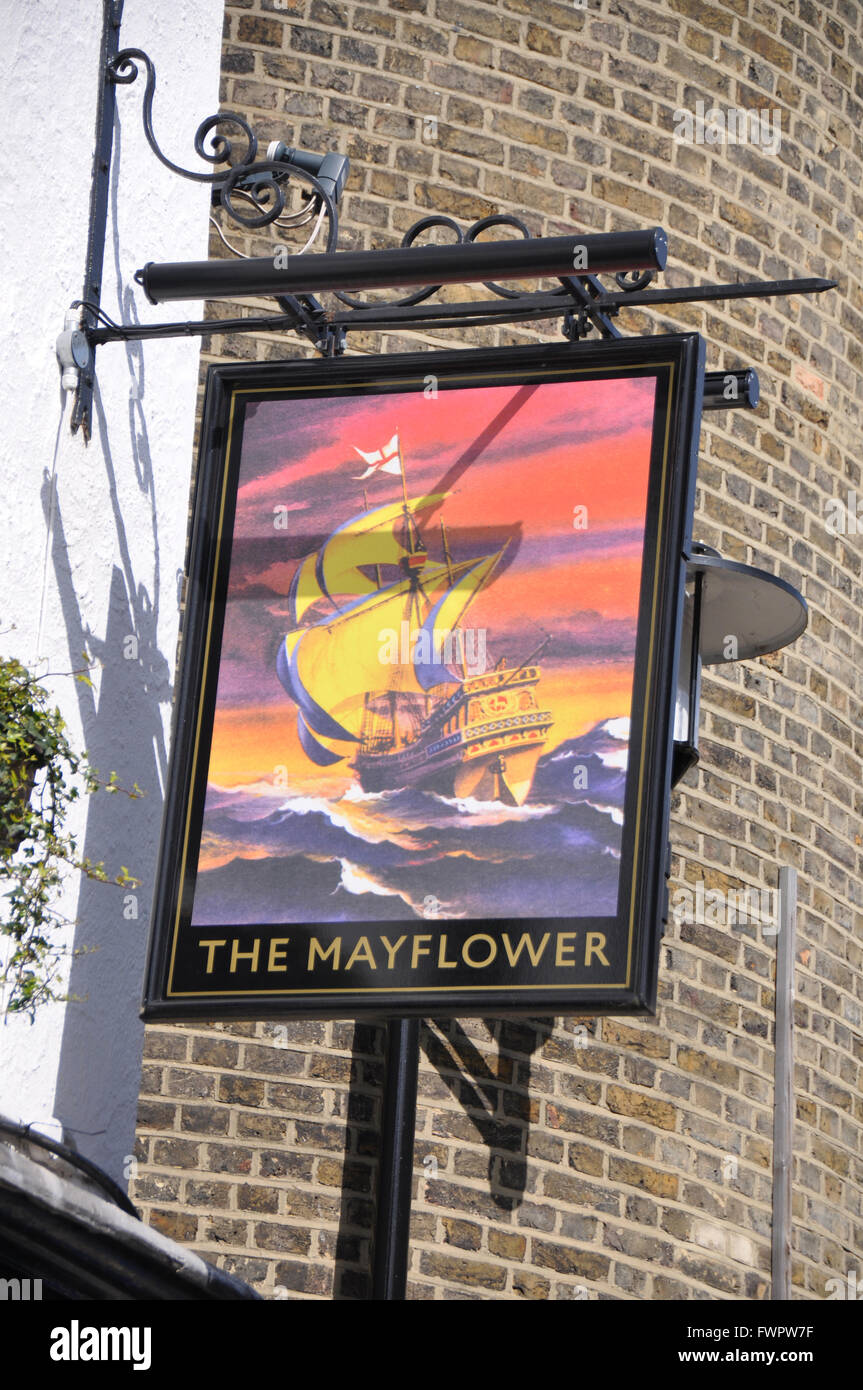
(423, 736)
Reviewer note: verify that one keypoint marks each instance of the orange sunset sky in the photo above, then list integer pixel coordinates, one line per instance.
(518, 464)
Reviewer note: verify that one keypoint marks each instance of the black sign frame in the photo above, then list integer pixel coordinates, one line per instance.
(177, 984)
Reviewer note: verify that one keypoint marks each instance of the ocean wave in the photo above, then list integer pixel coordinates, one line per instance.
(248, 801)
(303, 855)
(311, 887)
(356, 880)
(356, 793)
(614, 811)
(581, 750)
(493, 812)
(351, 816)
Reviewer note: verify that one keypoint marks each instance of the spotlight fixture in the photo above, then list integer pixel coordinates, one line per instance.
(731, 612)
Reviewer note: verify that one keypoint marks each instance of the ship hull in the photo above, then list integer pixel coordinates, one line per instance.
(482, 742)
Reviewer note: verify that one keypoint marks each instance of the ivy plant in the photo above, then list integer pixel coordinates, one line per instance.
(41, 775)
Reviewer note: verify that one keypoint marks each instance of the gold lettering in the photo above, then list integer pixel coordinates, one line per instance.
(362, 951)
(333, 950)
(276, 955)
(237, 955)
(478, 964)
(443, 963)
(211, 951)
(563, 936)
(419, 950)
(591, 950)
(525, 942)
(391, 950)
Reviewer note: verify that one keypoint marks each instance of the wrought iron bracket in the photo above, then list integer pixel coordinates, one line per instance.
(254, 194)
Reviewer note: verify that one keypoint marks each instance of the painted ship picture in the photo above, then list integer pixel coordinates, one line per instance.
(392, 667)
(425, 686)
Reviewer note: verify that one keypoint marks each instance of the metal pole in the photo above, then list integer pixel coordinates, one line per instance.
(783, 1086)
(395, 1178)
(724, 389)
(459, 263)
(100, 189)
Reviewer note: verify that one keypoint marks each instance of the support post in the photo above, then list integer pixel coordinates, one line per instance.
(783, 1087)
(395, 1175)
(112, 14)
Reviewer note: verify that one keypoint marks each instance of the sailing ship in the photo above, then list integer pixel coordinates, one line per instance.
(380, 666)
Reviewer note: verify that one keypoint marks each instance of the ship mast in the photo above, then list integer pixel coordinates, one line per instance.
(413, 614)
(412, 536)
(447, 555)
(408, 536)
(448, 558)
(377, 567)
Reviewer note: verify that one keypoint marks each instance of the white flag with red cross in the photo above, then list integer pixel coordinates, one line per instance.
(387, 459)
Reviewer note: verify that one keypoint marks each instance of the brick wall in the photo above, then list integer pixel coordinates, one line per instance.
(585, 1158)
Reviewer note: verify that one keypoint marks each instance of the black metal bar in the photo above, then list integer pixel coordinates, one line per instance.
(695, 668)
(686, 754)
(395, 1177)
(724, 390)
(579, 292)
(82, 410)
(192, 328)
(745, 289)
(469, 262)
(308, 314)
(476, 312)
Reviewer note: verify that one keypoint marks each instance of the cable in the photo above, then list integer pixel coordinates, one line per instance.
(314, 234)
(224, 239)
(95, 309)
(297, 219)
(76, 1160)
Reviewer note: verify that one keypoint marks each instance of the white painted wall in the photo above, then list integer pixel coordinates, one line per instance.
(92, 535)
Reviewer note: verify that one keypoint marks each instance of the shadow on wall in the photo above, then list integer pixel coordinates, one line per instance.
(327, 1171)
(495, 1111)
(496, 1104)
(352, 1276)
(99, 1069)
(100, 1062)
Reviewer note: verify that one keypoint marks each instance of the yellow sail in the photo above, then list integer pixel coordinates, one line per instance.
(339, 661)
(305, 589)
(436, 651)
(447, 612)
(329, 668)
(370, 538)
(392, 639)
